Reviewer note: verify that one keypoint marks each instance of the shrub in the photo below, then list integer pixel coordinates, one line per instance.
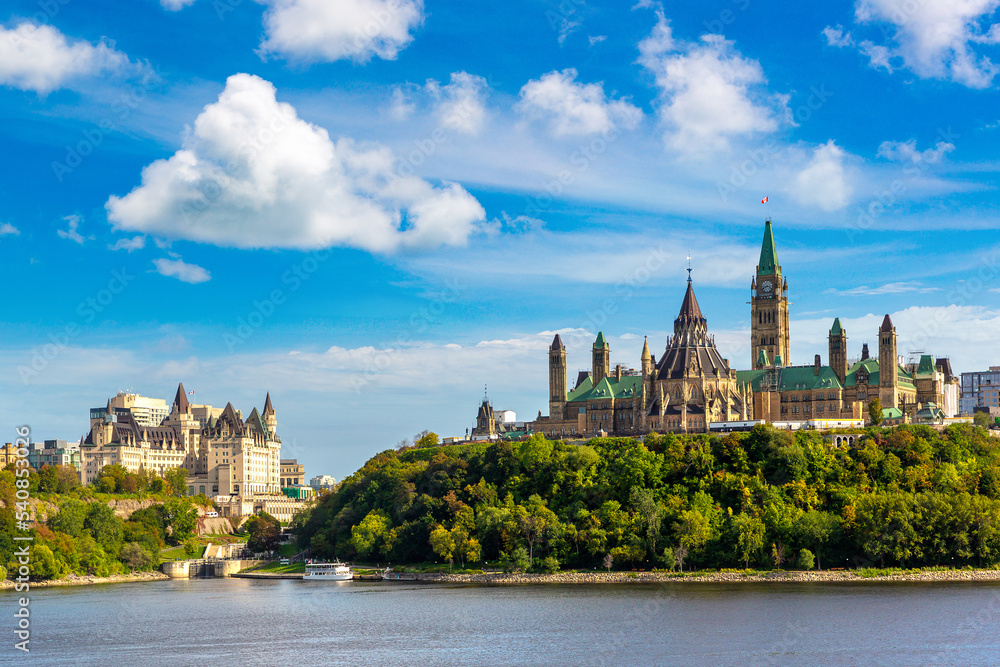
(549, 565)
(3, 573)
(806, 560)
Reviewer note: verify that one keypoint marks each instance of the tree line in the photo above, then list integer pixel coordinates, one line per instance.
(905, 496)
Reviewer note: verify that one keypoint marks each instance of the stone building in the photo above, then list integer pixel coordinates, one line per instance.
(224, 454)
(691, 386)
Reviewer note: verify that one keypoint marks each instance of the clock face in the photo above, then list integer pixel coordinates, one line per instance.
(766, 286)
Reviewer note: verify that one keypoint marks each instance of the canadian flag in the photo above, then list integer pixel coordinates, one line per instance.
(764, 200)
(191, 392)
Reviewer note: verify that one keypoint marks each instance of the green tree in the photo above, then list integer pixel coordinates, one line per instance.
(805, 560)
(651, 511)
(817, 528)
(369, 537)
(192, 547)
(875, 411)
(264, 532)
(180, 519)
(443, 543)
(135, 557)
(45, 565)
(104, 526)
(176, 479)
(749, 536)
(426, 439)
(70, 517)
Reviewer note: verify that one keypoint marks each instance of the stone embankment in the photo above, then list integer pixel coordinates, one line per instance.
(75, 580)
(710, 577)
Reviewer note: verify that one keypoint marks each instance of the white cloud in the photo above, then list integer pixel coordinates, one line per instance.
(71, 232)
(178, 268)
(328, 30)
(823, 182)
(709, 92)
(7, 229)
(935, 39)
(837, 36)
(176, 5)
(42, 59)
(596, 39)
(576, 108)
(252, 174)
(401, 107)
(906, 151)
(888, 288)
(136, 243)
(459, 104)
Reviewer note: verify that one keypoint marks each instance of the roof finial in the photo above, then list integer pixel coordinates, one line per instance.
(689, 267)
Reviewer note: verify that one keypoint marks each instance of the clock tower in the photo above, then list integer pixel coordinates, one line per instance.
(769, 306)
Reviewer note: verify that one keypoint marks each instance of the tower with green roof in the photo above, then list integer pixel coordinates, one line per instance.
(769, 304)
(838, 350)
(602, 359)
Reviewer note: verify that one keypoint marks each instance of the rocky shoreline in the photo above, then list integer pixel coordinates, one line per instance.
(708, 577)
(75, 580)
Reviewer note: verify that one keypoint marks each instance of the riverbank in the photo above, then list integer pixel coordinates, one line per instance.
(704, 577)
(75, 580)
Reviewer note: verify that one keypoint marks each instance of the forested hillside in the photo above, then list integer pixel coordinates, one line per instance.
(908, 496)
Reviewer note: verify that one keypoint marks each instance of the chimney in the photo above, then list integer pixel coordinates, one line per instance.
(618, 371)
(816, 365)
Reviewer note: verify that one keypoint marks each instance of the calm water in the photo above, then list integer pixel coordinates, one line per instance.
(245, 622)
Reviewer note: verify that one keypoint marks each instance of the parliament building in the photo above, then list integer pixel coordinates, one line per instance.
(691, 386)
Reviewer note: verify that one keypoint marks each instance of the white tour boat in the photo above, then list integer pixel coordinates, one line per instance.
(335, 571)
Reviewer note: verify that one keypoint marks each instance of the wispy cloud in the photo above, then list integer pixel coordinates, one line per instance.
(7, 229)
(72, 233)
(135, 243)
(888, 288)
(178, 268)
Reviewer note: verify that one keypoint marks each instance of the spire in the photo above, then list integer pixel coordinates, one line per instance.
(864, 352)
(689, 268)
(886, 324)
(600, 342)
(268, 408)
(837, 329)
(107, 410)
(557, 343)
(645, 350)
(768, 264)
(181, 400)
(689, 307)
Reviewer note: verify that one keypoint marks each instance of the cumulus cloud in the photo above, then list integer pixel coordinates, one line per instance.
(175, 5)
(822, 182)
(906, 151)
(837, 36)
(7, 229)
(576, 108)
(178, 268)
(459, 104)
(252, 174)
(328, 30)
(935, 39)
(128, 245)
(42, 59)
(709, 93)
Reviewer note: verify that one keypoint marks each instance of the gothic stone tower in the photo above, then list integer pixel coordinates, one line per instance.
(838, 350)
(602, 359)
(888, 380)
(769, 305)
(557, 378)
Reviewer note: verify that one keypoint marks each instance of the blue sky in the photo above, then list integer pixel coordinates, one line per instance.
(373, 208)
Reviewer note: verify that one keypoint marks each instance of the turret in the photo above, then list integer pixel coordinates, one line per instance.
(270, 419)
(557, 378)
(888, 380)
(602, 359)
(647, 360)
(837, 341)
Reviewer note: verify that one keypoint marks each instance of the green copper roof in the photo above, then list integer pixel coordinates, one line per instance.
(836, 330)
(609, 387)
(793, 378)
(768, 264)
(600, 342)
(871, 365)
(926, 366)
(777, 360)
(892, 413)
(762, 359)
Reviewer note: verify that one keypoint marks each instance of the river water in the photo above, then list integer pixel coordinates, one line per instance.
(247, 622)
